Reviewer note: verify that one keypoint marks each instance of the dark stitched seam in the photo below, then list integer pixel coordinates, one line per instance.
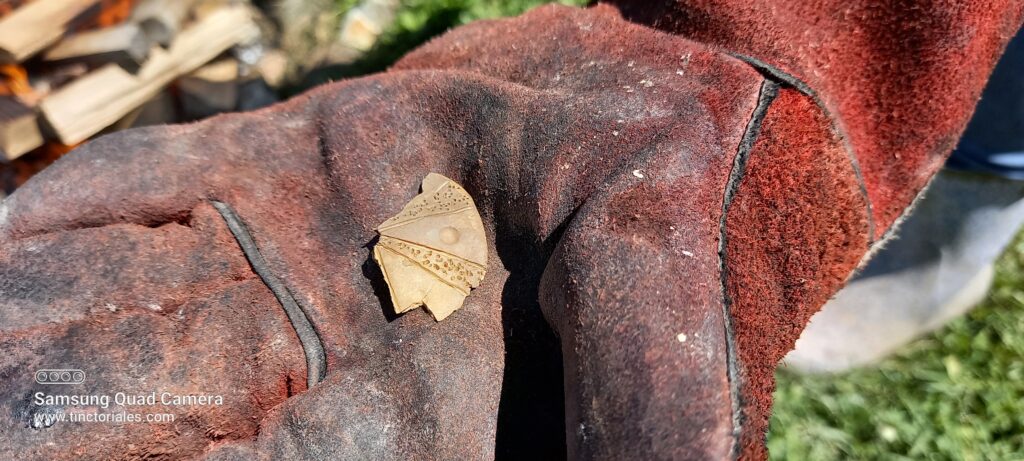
(777, 74)
(316, 360)
(783, 77)
(769, 90)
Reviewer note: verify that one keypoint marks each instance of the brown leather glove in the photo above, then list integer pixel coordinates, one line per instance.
(663, 217)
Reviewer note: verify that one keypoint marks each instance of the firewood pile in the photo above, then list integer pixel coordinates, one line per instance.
(73, 69)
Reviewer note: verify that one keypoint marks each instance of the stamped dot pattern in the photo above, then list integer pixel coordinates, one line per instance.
(449, 198)
(451, 269)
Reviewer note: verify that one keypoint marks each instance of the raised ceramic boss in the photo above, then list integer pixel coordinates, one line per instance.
(434, 251)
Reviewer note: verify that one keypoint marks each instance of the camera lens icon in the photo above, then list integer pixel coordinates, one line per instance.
(64, 376)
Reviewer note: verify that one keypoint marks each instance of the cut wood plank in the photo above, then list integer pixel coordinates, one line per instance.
(98, 99)
(125, 45)
(161, 19)
(39, 24)
(19, 128)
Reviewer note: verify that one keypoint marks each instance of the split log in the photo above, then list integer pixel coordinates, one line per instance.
(19, 129)
(39, 24)
(97, 100)
(125, 45)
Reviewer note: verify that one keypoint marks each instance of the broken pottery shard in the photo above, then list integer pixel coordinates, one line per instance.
(434, 251)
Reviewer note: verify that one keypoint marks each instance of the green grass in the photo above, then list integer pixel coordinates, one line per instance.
(955, 394)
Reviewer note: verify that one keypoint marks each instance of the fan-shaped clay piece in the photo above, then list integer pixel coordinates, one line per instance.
(434, 251)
